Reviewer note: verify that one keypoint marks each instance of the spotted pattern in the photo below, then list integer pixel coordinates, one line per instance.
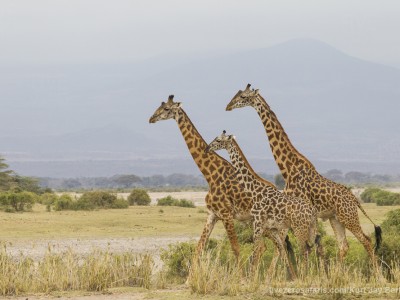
(273, 212)
(226, 199)
(333, 201)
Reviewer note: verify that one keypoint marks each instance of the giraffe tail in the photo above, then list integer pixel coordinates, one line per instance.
(378, 229)
(289, 247)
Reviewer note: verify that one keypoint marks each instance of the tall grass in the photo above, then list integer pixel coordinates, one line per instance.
(207, 276)
(215, 273)
(68, 271)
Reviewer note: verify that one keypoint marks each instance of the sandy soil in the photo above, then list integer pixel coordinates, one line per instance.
(36, 249)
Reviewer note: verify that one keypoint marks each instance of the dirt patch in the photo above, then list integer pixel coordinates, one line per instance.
(37, 249)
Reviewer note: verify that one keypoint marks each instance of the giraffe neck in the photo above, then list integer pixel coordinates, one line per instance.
(285, 154)
(244, 172)
(206, 162)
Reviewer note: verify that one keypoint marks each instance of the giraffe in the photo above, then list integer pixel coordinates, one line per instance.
(273, 212)
(333, 201)
(226, 200)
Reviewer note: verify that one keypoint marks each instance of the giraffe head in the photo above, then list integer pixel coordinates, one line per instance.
(167, 110)
(248, 97)
(220, 142)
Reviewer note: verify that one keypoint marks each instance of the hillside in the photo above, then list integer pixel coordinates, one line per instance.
(334, 107)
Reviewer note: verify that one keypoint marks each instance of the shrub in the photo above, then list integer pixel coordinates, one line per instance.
(120, 203)
(166, 201)
(139, 197)
(17, 201)
(64, 202)
(170, 201)
(177, 258)
(380, 197)
(90, 201)
(47, 198)
(97, 199)
(392, 222)
(367, 194)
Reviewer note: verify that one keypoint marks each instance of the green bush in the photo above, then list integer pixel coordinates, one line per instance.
(170, 201)
(119, 203)
(139, 197)
(392, 222)
(97, 199)
(48, 198)
(64, 202)
(177, 258)
(166, 201)
(17, 201)
(367, 194)
(380, 197)
(90, 201)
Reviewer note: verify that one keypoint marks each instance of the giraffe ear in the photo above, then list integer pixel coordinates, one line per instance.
(256, 91)
(179, 104)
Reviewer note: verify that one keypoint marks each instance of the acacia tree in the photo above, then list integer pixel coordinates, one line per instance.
(5, 176)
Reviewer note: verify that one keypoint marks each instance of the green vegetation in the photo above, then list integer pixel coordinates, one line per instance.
(170, 201)
(17, 202)
(215, 275)
(126, 182)
(98, 271)
(89, 201)
(10, 181)
(380, 197)
(139, 197)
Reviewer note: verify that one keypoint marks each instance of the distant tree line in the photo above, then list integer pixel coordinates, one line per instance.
(129, 181)
(355, 177)
(123, 182)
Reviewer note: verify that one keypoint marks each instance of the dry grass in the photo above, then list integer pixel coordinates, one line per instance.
(208, 277)
(97, 271)
(102, 270)
(136, 221)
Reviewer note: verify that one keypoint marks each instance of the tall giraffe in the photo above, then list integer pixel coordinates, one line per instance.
(226, 200)
(333, 201)
(273, 212)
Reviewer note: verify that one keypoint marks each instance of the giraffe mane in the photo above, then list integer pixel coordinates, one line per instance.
(250, 167)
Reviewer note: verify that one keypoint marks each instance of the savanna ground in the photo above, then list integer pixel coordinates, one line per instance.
(138, 230)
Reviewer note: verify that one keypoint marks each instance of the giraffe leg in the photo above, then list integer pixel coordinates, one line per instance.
(259, 245)
(353, 224)
(274, 261)
(305, 234)
(366, 241)
(230, 229)
(282, 252)
(208, 228)
(340, 233)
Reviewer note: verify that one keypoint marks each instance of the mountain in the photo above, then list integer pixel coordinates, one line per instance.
(334, 107)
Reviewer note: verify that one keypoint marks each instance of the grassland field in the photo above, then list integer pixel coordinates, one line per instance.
(141, 229)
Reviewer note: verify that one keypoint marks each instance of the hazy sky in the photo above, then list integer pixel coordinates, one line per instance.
(48, 31)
